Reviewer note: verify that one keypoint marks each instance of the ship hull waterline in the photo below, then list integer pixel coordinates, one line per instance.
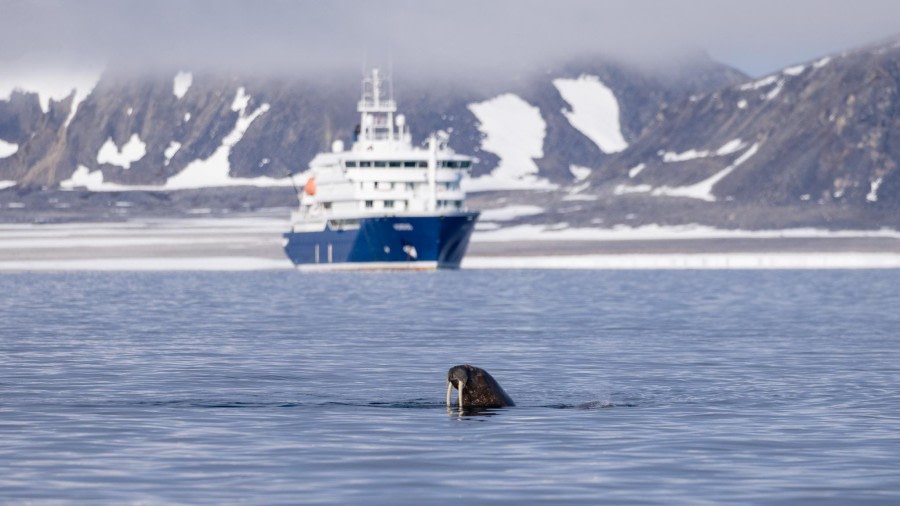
(385, 243)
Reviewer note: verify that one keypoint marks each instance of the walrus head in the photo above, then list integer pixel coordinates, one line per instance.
(457, 377)
(477, 387)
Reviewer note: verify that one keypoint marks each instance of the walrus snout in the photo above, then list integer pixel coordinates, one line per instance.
(457, 377)
(477, 387)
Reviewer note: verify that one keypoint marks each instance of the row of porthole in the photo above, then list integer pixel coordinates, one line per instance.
(389, 204)
(387, 185)
(449, 164)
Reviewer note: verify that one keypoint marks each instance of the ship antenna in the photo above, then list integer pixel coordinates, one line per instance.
(391, 76)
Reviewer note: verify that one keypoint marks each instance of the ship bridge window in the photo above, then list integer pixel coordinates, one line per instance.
(389, 204)
(370, 204)
(365, 164)
(409, 164)
(381, 164)
(350, 164)
(465, 165)
(394, 164)
(422, 163)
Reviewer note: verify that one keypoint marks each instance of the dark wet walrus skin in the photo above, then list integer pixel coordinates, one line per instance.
(477, 388)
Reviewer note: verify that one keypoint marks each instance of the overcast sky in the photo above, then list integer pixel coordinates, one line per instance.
(756, 36)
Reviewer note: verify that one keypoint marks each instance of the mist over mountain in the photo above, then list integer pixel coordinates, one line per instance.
(590, 141)
(462, 38)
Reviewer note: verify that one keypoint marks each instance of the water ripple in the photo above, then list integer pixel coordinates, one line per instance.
(631, 387)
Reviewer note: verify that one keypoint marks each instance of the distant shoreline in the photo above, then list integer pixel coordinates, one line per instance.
(810, 245)
(251, 242)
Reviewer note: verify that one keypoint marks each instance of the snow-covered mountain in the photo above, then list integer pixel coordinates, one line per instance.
(593, 142)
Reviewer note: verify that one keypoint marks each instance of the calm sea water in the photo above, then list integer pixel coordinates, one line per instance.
(762, 387)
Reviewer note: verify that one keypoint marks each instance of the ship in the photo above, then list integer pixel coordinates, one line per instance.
(384, 203)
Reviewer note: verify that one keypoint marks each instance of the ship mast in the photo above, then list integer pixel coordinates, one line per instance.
(376, 109)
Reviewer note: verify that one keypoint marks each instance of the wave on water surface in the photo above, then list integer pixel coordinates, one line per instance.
(407, 404)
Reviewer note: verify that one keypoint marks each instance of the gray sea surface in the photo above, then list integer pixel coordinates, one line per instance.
(632, 387)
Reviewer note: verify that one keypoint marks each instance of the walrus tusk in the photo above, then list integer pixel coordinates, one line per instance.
(461, 386)
(449, 387)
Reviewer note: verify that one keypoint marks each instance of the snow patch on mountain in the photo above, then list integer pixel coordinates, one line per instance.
(821, 63)
(580, 173)
(8, 149)
(872, 196)
(691, 154)
(241, 101)
(732, 146)
(56, 85)
(211, 172)
(214, 171)
(774, 81)
(703, 189)
(595, 111)
(580, 197)
(775, 91)
(181, 84)
(509, 212)
(759, 83)
(623, 189)
(514, 131)
(170, 151)
(131, 151)
(794, 71)
(83, 177)
(574, 192)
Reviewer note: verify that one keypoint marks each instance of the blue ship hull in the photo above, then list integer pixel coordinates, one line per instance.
(389, 242)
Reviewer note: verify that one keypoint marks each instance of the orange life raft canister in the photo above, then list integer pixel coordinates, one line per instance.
(310, 186)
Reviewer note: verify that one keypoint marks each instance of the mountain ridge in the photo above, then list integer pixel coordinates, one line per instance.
(701, 140)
